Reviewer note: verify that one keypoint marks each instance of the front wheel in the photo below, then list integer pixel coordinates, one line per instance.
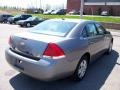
(21, 25)
(81, 69)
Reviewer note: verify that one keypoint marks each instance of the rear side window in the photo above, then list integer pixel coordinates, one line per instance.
(91, 30)
(7, 15)
(4, 15)
(23, 16)
(54, 27)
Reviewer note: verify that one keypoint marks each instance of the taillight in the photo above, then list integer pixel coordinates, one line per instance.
(53, 51)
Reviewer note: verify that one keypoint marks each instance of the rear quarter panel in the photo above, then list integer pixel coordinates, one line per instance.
(74, 49)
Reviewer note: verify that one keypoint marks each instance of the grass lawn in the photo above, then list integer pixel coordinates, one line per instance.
(96, 18)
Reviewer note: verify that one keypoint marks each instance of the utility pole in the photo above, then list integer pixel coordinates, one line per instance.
(36, 4)
(105, 2)
(81, 9)
(40, 5)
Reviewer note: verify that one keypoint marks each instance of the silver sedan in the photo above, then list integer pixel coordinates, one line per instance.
(58, 48)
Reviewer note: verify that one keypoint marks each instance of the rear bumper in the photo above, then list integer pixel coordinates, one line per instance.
(45, 70)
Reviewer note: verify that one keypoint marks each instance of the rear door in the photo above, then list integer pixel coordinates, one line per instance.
(95, 40)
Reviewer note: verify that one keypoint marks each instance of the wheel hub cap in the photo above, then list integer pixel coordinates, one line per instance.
(82, 69)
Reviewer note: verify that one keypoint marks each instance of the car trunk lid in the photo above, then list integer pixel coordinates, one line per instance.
(30, 44)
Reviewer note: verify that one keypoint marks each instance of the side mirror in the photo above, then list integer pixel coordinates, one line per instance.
(107, 32)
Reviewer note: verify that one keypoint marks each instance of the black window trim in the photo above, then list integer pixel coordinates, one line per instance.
(86, 32)
(98, 30)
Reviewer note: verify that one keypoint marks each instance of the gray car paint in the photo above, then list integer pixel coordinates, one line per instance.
(74, 46)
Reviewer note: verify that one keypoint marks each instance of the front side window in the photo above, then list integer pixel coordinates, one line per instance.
(100, 29)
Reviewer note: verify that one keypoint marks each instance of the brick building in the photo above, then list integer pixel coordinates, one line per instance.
(95, 7)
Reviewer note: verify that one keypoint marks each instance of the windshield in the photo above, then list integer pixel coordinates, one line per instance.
(52, 27)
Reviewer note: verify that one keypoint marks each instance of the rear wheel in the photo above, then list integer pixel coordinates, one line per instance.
(28, 24)
(5, 21)
(81, 68)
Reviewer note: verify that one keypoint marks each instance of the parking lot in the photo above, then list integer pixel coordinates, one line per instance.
(103, 74)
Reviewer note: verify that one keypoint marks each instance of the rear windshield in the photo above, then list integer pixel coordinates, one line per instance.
(52, 27)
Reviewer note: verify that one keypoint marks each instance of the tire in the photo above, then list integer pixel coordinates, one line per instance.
(110, 48)
(10, 22)
(81, 69)
(21, 25)
(28, 24)
(5, 21)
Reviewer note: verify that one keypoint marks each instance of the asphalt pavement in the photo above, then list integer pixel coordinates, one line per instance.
(103, 74)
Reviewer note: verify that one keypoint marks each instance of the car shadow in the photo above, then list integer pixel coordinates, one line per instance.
(24, 27)
(95, 78)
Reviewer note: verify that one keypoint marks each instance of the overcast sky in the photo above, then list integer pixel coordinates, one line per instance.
(30, 3)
